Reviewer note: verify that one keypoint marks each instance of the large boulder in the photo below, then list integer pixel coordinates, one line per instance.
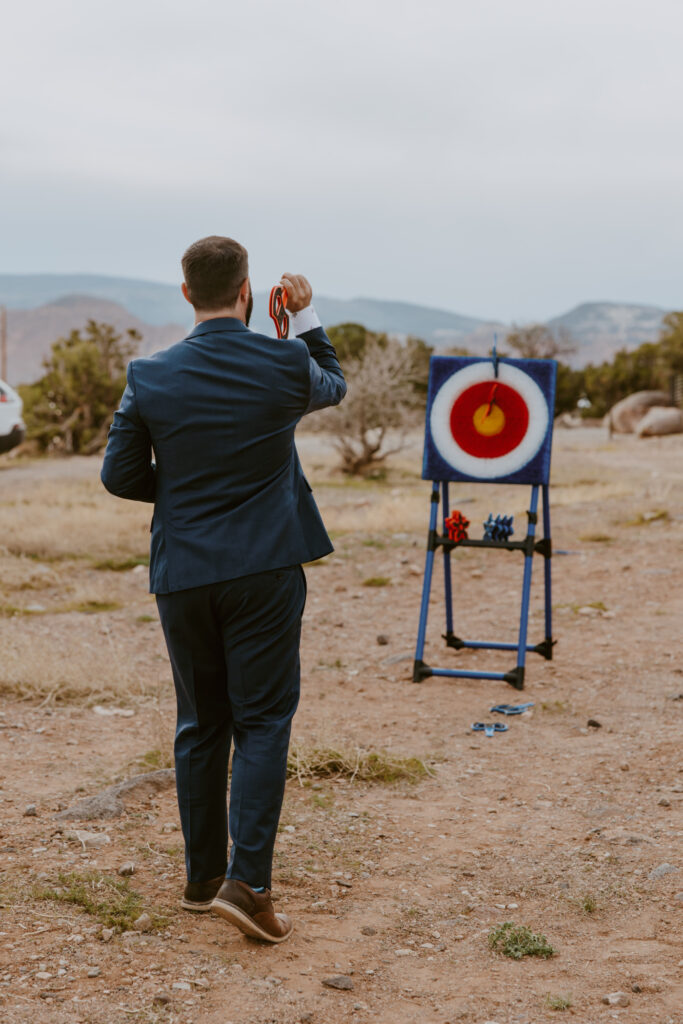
(660, 420)
(624, 417)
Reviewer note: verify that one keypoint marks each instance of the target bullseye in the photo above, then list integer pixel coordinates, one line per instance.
(489, 420)
(487, 426)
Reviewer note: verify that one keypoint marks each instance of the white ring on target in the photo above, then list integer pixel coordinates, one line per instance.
(479, 466)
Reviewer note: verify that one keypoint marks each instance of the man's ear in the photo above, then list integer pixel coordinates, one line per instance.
(244, 290)
(185, 292)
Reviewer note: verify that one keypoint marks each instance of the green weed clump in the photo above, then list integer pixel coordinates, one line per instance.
(8, 611)
(110, 900)
(658, 515)
(377, 581)
(518, 941)
(597, 538)
(589, 904)
(353, 763)
(156, 759)
(92, 607)
(558, 1002)
(555, 707)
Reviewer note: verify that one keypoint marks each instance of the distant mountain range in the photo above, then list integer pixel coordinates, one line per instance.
(43, 307)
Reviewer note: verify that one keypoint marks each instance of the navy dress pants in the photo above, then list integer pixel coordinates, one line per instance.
(234, 650)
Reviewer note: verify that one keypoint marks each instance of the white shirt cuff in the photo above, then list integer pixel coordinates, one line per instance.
(305, 320)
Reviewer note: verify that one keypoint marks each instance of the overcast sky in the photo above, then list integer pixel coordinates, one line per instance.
(496, 158)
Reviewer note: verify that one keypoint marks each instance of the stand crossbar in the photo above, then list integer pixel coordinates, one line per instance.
(529, 546)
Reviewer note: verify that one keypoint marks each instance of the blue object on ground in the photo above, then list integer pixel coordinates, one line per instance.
(512, 709)
(489, 728)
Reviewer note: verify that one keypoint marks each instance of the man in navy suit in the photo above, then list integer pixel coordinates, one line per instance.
(233, 520)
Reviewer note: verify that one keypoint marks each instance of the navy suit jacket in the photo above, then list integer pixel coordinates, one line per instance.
(219, 410)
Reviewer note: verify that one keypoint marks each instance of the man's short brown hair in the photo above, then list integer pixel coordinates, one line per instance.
(215, 269)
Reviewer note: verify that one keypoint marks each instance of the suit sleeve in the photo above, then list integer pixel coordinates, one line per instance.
(326, 379)
(128, 470)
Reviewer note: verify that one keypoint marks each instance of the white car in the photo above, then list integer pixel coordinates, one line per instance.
(12, 429)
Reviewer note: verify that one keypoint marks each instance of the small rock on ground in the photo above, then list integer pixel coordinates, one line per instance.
(30, 811)
(90, 840)
(143, 923)
(661, 871)
(127, 869)
(616, 999)
(340, 981)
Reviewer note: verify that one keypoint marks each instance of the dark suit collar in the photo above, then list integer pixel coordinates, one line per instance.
(218, 325)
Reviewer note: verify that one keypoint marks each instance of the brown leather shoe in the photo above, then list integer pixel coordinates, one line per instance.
(199, 896)
(251, 911)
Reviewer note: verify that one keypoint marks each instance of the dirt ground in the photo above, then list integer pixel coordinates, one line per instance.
(554, 824)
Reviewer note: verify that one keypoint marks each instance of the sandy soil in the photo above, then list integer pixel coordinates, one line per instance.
(555, 824)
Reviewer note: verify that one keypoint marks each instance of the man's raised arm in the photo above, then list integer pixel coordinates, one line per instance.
(327, 384)
(127, 470)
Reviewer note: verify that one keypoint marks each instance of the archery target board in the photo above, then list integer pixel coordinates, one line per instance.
(489, 427)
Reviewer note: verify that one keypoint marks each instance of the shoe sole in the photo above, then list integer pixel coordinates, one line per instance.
(198, 908)
(245, 923)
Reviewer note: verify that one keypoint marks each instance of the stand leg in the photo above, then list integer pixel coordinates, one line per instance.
(517, 679)
(547, 576)
(445, 512)
(420, 670)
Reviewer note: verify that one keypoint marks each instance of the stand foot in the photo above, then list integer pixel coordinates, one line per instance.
(516, 677)
(420, 671)
(453, 641)
(546, 648)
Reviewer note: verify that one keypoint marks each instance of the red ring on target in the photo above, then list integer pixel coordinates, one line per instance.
(495, 431)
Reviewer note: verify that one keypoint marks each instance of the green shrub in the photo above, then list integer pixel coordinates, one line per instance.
(517, 941)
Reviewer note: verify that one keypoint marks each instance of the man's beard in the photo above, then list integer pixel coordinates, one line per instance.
(250, 306)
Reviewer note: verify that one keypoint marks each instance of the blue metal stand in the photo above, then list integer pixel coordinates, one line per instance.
(528, 546)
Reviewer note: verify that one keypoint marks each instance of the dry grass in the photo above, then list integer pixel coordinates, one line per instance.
(658, 515)
(19, 573)
(57, 519)
(322, 762)
(38, 663)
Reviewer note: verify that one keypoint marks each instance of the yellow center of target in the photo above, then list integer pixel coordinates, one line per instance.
(489, 419)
